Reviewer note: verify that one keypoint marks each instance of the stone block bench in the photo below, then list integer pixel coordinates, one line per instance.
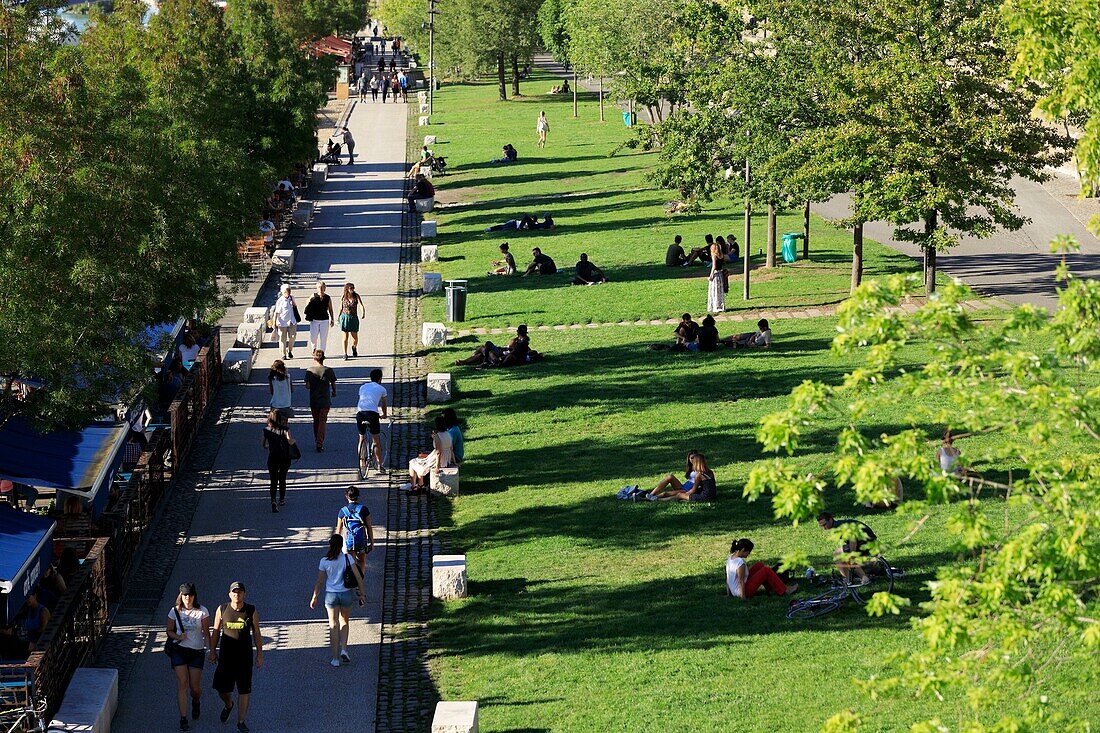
(434, 334)
(282, 260)
(424, 121)
(449, 577)
(251, 334)
(439, 387)
(303, 213)
(433, 282)
(445, 481)
(257, 315)
(429, 253)
(237, 365)
(429, 139)
(89, 703)
(423, 108)
(428, 229)
(455, 717)
(320, 176)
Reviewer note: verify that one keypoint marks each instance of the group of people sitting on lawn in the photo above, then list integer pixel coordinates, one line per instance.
(516, 353)
(584, 272)
(692, 336)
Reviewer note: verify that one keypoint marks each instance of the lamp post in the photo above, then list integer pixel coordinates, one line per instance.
(431, 56)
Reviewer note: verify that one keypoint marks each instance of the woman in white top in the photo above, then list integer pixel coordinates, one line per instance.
(189, 350)
(189, 627)
(281, 388)
(286, 322)
(338, 597)
(670, 480)
(542, 127)
(442, 456)
(948, 455)
(743, 582)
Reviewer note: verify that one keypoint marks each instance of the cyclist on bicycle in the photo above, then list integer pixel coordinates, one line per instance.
(371, 407)
(850, 546)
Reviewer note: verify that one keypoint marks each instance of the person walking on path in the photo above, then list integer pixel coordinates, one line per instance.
(281, 389)
(320, 317)
(383, 81)
(542, 127)
(189, 632)
(403, 82)
(236, 632)
(286, 321)
(374, 88)
(280, 447)
(363, 88)
(320, 380)
(353, 524)
(350, 306)
(333, 578)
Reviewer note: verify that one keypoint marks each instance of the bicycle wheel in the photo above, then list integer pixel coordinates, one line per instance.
(811, 608)
(881, 579)
(364, 459)
(384, 445)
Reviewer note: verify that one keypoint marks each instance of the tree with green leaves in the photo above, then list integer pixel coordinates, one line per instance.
(1013, 614)
(308, 20)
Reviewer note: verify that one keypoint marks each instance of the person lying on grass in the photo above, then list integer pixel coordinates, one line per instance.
(759, 339)
(505, 266)
(540, 264)
(743, 581)
(585, 273)
(524, 223)
(703, 487)
(489, 354)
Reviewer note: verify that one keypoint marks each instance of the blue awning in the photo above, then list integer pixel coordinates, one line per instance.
(77, 461)
(26, 550)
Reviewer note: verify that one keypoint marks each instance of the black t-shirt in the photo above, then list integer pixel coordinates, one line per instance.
(317, 307)
(868, 534)
(708, 338)
(278, 447)
(319, 380)
(675, 256)
(546, 265)
(689, 331)
(585, 270)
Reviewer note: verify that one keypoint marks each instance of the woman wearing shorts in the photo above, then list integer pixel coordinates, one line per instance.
(189, 627)
(236, 631)
(350, 305)
(338, 598)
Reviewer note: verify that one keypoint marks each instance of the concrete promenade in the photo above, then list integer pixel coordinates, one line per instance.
(355, 237)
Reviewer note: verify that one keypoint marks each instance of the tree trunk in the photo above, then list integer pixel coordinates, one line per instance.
(515, 76)
(931, 222)
(748, 235)
(857, 255)
(601, 98)
(770, 261)
(574, 91)
(501, 82)
(806, 231)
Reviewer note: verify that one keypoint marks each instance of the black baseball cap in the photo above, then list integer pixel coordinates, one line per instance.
(237, 585)
(187, 589)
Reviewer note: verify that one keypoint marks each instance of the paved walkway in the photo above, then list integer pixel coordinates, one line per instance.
(234, 535)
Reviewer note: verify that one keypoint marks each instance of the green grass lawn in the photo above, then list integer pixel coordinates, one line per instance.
(607, 206)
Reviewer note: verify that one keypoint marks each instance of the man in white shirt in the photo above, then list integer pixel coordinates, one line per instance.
(371, 407)
(286, 322)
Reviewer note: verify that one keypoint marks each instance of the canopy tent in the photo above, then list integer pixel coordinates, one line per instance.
(78, 462)
(26, 549)
(332, 46)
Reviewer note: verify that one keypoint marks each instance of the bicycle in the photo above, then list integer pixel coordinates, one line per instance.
(880, 579)
(367, 459)
(28, 717)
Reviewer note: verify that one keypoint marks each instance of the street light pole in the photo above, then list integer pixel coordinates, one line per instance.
(431, 56)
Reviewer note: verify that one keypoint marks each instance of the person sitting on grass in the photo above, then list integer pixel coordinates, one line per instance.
(744, 582)
(491, 355)
(671, 480)
(674, 255)
(508, 155)
(708, 334)
(585, 273)
(847, 567)
(506, 266)
(702, 489)
(540, 264)
(687, 332)
(700, 254)
(759, 339)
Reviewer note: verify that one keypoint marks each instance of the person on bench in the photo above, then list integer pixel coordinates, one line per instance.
(422, 189)
(687, 332)
(744, 582)
(759, 339)
(491, 355)
(506, 266)
(585, 273)
(540, 264)
(703, 487)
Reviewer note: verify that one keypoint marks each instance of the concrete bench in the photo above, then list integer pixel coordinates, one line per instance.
(282, 260)
(423, 206)
(433, 282)
(89, 703)
(428, 229)
(445, 481)
(449, 577)
(257, 315)
(422, 96)
(320, 176)
(455, 717)
(237, 365)
(429, 253)
(424, 121)
(439, 387)
(251, 334)
(303, 213)
(429, 139)
(423, 108)
(434, 334)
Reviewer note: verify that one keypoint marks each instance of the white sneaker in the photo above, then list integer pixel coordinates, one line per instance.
(335, 662)
(406, 487)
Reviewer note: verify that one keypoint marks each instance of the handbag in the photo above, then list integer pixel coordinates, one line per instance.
(350, 580)
(295, 452)
(172, 646)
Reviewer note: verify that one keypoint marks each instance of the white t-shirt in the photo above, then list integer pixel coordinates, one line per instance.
(370, 397)
(189, 353)
(733, 580)
(334, 573)
(192, 625)
(764, 338)
(280, 396)
(948, 459)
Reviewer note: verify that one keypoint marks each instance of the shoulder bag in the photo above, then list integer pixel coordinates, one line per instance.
(351, 582)
(172, 646)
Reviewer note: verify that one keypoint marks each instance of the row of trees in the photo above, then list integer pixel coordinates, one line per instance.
(131, 165)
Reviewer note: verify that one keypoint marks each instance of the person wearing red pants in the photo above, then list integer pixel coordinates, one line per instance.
(743, 581)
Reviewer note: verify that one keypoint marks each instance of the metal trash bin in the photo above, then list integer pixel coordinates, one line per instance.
(456, 301)
(790, 246)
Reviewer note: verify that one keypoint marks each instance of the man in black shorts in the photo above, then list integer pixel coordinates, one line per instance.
(237, 628)
(372, 406)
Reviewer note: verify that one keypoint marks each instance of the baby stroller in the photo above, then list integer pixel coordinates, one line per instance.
(438, 164)
(332, 154)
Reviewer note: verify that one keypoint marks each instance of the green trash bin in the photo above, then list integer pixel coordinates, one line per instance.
(790, 250)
